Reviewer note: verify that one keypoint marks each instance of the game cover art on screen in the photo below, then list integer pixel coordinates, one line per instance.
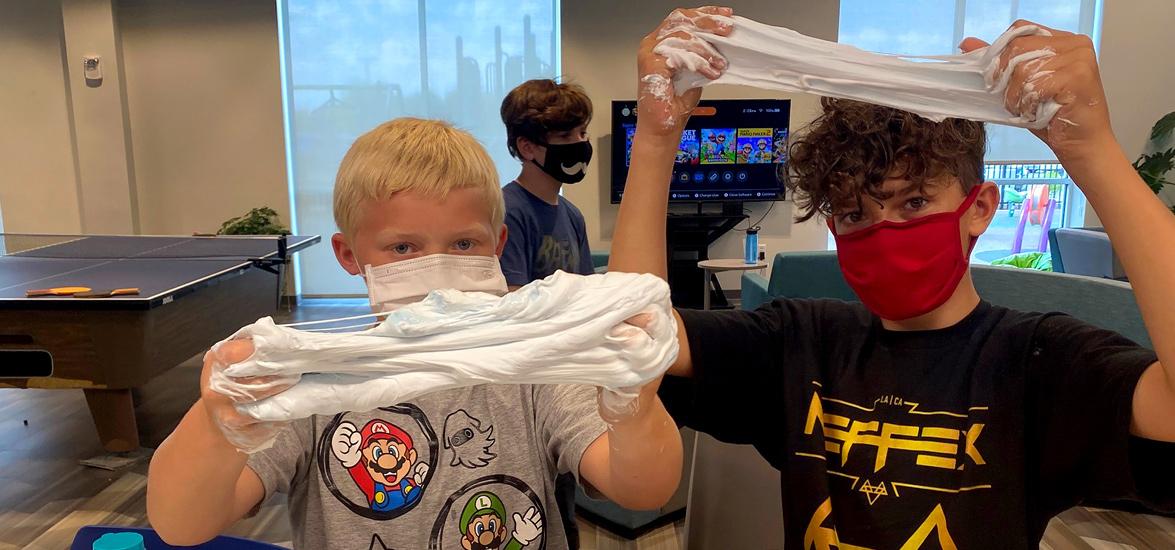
(629, 131)
(718, 145)
(754, 146)
(780, 145)
(730, 151)
(687, 151)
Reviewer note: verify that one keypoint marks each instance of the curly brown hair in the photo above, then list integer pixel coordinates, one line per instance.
(853, 147)
(537, 107)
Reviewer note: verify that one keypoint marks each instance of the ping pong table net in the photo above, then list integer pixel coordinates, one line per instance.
(143, 247)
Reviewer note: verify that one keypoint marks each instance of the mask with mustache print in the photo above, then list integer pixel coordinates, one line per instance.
(567, 162)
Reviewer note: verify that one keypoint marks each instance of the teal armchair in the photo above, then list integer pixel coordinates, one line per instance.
(797, 275)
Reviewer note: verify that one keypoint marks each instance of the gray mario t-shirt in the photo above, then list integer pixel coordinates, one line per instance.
(470, 468)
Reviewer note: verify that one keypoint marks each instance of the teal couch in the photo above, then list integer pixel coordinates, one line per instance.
(1103, 302)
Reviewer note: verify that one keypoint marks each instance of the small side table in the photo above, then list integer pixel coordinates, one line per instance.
(710, 267)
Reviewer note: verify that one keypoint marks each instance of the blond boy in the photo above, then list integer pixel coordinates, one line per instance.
(469, 468)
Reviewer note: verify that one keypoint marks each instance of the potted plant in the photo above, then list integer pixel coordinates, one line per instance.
(1153, 167)
(258, 221)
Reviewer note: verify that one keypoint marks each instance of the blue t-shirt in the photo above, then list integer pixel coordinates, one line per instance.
(542, 238)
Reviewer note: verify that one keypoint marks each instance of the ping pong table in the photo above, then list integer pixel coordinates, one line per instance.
(193, 292)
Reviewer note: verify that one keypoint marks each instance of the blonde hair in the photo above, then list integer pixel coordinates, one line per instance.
(430, 157)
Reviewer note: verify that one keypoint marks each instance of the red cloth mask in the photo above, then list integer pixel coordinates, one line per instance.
(901, 270)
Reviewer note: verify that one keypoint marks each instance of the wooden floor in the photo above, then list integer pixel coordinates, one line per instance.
(45, 495)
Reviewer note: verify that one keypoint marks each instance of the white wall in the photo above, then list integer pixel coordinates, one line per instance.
(599, 52)
(105, 171)
(1136, 43)
(204, 98)
(198, 100)
(38, 185)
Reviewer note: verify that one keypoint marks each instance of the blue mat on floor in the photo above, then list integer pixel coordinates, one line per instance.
(86, 536)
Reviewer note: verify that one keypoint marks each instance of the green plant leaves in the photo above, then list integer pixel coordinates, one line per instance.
(1153, 167)
(1163, 127)
(258, 221)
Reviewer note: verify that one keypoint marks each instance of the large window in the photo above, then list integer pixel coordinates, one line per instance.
(352, 64)
(1021, 164)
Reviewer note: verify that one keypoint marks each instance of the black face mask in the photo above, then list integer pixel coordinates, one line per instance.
(567, 162)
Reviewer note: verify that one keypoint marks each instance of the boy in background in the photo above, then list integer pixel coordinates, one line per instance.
(546, 128)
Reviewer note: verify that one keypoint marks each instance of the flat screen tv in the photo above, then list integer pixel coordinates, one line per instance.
(731, 151)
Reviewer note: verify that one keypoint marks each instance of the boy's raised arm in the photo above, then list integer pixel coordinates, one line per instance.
(637, 463)
(1140, 226)
(638, 244)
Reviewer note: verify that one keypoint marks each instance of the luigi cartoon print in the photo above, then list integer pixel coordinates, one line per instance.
(483, 524)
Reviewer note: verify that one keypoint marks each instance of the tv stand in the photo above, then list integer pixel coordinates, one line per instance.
(728, 209)
(688, 238)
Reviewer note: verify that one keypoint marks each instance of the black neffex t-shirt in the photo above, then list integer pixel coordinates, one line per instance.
(970, 437)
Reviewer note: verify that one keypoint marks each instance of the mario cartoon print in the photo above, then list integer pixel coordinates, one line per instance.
(483, 524)
(382, 461)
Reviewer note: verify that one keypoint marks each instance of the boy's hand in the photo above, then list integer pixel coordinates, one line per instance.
(1081, 129)
(660, 110)
(241, 431)
(618, 408)
(637, 462)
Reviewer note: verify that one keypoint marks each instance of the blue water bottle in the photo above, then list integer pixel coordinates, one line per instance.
(751, 251)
